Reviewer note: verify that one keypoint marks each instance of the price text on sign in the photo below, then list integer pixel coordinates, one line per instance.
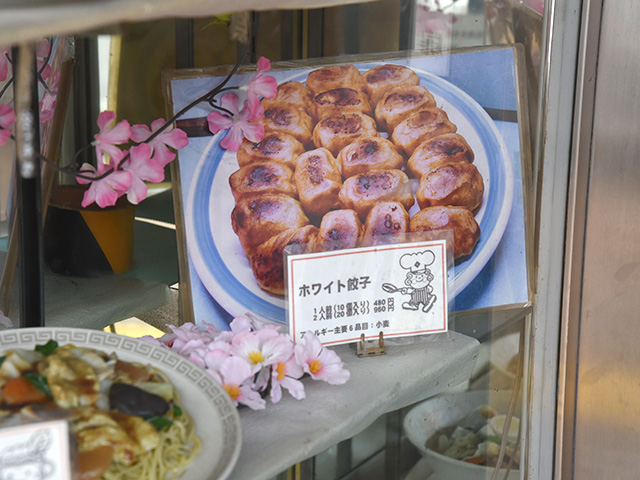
(399, 290)
(35, 450)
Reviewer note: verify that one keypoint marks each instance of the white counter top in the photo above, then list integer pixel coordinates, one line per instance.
(291, 430)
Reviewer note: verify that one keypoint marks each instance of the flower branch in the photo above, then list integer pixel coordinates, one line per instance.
(129, 156)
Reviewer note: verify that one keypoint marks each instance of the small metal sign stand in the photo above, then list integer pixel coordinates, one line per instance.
(372, 348)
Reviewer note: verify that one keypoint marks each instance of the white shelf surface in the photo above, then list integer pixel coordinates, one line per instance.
(291, 431)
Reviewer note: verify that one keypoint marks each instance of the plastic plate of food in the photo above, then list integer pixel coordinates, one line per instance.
(450, 427)
(216, 419)
(218, 256)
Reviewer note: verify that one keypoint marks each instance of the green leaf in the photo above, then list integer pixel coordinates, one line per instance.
(48, 348)
(40, 382)
(219, 20)
(177, 411)
(2, 359)
(160, 422)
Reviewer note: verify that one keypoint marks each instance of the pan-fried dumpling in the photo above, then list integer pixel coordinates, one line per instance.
(369, 153)
(262, 177)
(318, 181)
(382, 78)
(340, 101)
(434, 222)
(419, 127)
(339, 229)
(335, 76)
(290, 120)
(458, 184)
(440, 150)
(363, 191)
(400, 103)
(256, 218)
(290, 93)
(384, 223)
(335, 133)
(275, 146)
(267, 259)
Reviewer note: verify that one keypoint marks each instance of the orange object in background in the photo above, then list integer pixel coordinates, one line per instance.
(87, 242)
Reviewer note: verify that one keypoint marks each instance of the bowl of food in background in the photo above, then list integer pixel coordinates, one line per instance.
(460, 435)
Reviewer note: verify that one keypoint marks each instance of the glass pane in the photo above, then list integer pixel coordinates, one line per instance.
(445, 93)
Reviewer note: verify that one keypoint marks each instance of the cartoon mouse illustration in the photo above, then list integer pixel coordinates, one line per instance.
(417, 281)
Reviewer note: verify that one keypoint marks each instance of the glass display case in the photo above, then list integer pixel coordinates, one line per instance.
(488, 118)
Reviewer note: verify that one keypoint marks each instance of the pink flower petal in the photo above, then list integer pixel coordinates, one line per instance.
(230, 102)
(264, 65)
(218, 122)
(4, 64)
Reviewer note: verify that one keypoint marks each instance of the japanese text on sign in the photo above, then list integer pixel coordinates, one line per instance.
(395, 289)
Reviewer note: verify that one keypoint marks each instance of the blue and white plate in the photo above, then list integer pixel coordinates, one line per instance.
(219, 259)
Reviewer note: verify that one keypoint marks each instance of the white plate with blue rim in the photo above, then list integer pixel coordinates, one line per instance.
(219, 259)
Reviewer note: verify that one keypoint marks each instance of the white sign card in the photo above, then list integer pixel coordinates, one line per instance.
(399, 290)
(35, 451)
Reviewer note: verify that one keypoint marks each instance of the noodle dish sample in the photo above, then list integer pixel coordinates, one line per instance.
(126, 419)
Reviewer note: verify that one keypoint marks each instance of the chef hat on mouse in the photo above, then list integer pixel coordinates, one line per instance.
(417, 262)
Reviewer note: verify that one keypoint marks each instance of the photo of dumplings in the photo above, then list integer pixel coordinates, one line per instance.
(353, 159)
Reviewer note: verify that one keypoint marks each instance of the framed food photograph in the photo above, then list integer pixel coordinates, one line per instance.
(448, 131)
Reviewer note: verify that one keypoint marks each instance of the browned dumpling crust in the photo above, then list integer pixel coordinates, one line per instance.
(323, 158)
(339, 229)
(435, 221)
(257, 218)
(400, 103)
(290, 93)
(340, 101)
(262, 177)
(335, 76)
(383, 78)
(419, 127)
(369, 153)
(290, 120)
(266, 261)
(458, 184)
(318, 181)
(275, 146)
(384, 223)
(335, 133)
(362, 192)
(440, 150)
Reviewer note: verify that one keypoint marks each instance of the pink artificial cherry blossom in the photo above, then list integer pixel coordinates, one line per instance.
(4, 63)
(7, 118)
(261, 84)
(174, 138)
(195, 351)
(285, 374)
(213, 360)
(43, 47)
(48, 102)
(319, 362)
(262, 357)
(234, 372)
(142, 168)
(261, 348)
(240, 126)
(110, 135)
(106, 191)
